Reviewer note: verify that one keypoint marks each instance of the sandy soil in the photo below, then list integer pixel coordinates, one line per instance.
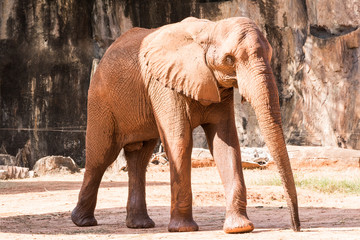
(40, 208)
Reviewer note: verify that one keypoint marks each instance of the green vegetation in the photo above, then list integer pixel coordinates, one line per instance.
(330, 185)
(325, 182)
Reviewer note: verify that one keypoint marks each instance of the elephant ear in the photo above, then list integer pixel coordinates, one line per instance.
(172, 57)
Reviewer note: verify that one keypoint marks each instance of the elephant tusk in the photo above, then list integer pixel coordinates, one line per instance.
(227, 78)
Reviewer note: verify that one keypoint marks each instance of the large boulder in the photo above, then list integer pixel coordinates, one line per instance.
(55, 164)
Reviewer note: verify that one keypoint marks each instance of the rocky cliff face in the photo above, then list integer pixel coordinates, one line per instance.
(47, 47)
(46, 51)
(330, 88)
(316, 63)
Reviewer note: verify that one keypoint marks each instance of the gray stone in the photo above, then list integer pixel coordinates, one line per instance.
(119, 164)
(14, 172)
(201, 157)
(6, 159)
(55, 164)
(159, 158)
(3, 174)
(201, 153)
(250, 157)
(255, 157)
(32, 174)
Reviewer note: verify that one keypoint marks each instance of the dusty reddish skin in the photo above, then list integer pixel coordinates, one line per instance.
(165, 82)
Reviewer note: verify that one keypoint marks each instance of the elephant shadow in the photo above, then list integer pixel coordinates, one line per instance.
(45, 186)
(209, 218)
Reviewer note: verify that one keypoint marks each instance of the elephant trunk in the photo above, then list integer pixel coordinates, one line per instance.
(263, 96)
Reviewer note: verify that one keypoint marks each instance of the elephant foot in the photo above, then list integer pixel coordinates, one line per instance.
(238, 224)
(82, 220)
(139, 222)
(182, 225)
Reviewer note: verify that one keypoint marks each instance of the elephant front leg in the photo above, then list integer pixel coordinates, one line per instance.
(178, 150)
(224, 145)
(173, 123)
(179, 153)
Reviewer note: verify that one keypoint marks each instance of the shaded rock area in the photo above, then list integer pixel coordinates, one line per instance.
(23, 157)
(6, 159)
(55, 165)
(47, 49)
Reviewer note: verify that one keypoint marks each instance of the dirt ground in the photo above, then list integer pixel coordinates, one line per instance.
(39, 208)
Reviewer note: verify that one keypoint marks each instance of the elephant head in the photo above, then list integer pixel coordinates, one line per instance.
(199, 57)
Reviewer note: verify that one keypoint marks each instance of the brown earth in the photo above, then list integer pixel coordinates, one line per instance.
(40, 208)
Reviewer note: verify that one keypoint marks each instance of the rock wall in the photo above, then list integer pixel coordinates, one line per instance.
(46, 50)
(47, 47)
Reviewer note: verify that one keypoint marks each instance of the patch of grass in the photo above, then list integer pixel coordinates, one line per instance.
(341, 182)
(330, 185)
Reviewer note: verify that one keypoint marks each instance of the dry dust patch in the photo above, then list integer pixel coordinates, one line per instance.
(40, 208)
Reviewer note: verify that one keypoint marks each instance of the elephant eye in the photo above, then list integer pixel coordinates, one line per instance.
(229, 60)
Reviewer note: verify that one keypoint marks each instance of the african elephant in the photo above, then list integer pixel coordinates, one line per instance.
(165, 82)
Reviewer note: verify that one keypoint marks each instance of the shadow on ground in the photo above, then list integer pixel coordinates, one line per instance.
(43, 186)
(209, 218)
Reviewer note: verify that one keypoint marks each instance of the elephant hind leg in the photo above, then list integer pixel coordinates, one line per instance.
(137, 161)
(102, 148)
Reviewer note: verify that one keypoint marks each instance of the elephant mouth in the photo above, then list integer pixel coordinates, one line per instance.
(229, 81)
